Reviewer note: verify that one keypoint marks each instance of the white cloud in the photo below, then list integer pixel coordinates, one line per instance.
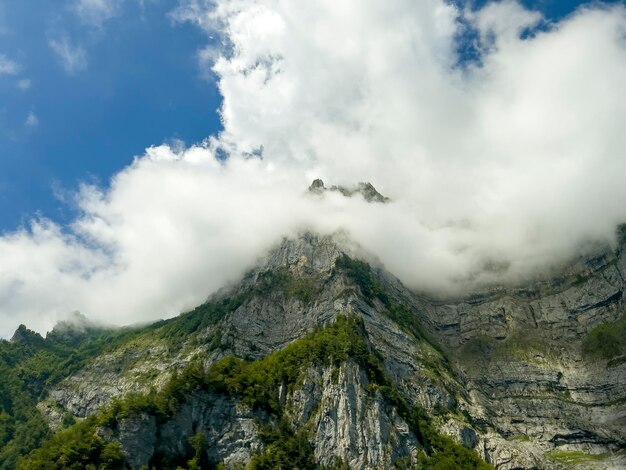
(517, 162)
(8, 66)
(504, 20)
(73, 58)
(32, 120)
(24, 84)
(97, 12)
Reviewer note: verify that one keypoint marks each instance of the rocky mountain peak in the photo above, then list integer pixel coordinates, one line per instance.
(365, 189)
(74, 329)
(25, 336)
(76, 323)
(317, 186)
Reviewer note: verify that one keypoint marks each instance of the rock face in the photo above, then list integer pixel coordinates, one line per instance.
(229, 431)
(352, 425)
(502, 372)
(348, 424)
(134, 367)
(530, 380)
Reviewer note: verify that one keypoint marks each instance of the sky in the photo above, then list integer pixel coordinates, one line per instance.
(136, 83)
(190, 129)
(91, 88)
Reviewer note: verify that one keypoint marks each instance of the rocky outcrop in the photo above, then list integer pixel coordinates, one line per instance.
(26, 337)
(520, 350)
(348, 422)
(133, 367)
(228, 428)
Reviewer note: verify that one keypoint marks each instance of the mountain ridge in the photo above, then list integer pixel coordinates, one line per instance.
(451, 369)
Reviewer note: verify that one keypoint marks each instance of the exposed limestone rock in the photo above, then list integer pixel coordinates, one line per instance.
(137, 435)
(229, 429)
(132, 368)
(348, 421)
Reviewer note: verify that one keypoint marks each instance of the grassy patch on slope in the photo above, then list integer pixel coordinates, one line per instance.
(361, 274)
(572, 457)
(607, 341)
(303, 288)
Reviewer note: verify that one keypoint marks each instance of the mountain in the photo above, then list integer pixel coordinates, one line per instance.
(366, 190)
(320, 358)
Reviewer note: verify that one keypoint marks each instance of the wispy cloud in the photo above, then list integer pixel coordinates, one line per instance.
(73, 57)
(24, 84)
(32, 120)
(97, 12)
(8, 66)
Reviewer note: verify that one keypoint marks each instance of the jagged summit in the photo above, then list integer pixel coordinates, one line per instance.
(25, 336)
(367, 190)
(317, 186)
(75, 323)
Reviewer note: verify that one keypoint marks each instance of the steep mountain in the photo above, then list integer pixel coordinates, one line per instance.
(320, 358)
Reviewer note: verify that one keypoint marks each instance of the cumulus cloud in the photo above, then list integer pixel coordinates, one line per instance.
(8, 66)
(72, 57)
(514, 161)
(503, 21)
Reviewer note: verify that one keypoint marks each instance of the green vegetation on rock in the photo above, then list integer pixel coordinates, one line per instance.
(517, 346)
(284, 448)
(77, 447)
(607, 341)
(361, 274)
(180, 328)
(255, 384)
(187, 326)
(29, 364)
(572, 457)
(282, 280)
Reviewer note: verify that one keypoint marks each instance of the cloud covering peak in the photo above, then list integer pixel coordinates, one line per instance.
(514, 156)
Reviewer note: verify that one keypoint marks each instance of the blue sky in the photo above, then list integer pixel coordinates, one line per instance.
(133, 82)
(551, 9)
(139, 85)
